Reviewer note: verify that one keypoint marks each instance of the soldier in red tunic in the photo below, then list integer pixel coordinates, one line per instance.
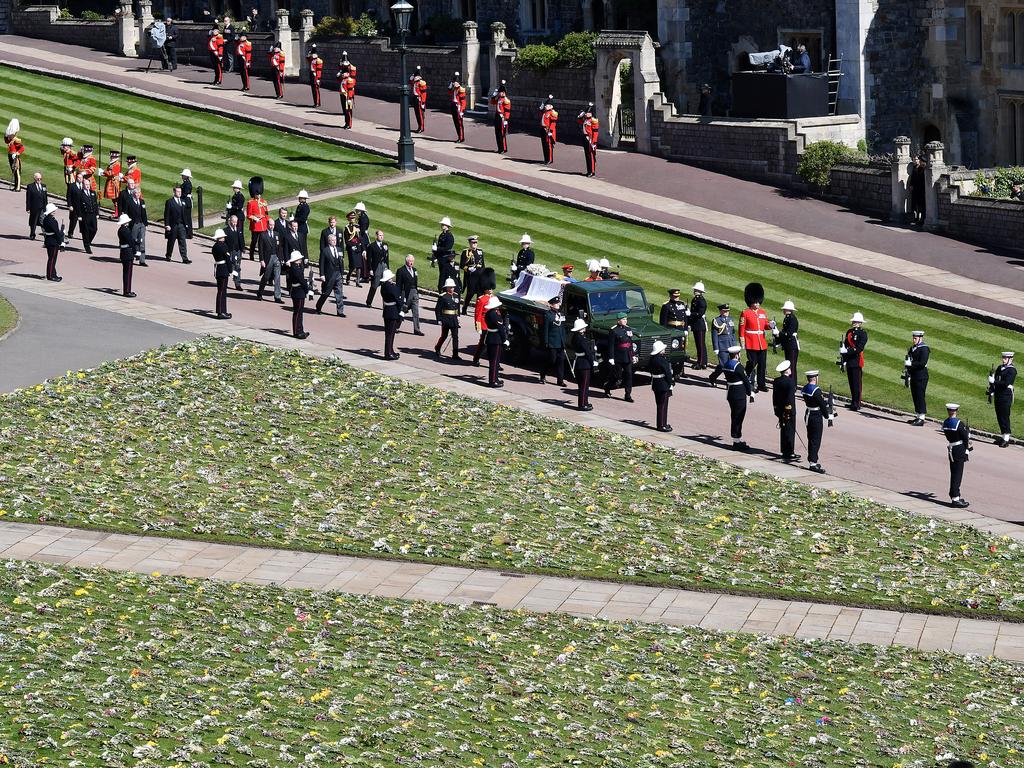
(457, 104)
(277, 64)
(15, 148)
(347, 91)
(548, 130)
(754, 327)
(419, 99)
(244, 52)
(215, 47)
(316, 72)
(112, 179)
(502, 113)
(591, 129)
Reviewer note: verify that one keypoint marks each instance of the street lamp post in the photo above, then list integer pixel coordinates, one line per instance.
(402, 11)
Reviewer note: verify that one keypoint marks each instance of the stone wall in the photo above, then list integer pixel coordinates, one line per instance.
(195, 36)
(862, 188)
(764, 150)
(41, 22)
(986, 220)
(572, 87)
(5, 16)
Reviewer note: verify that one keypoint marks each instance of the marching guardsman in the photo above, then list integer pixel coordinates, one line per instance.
(673, 315)
(699, 324)
(958, 439)
(457, 105)
(215, 47)
(392, 300)
(472, 264)
(591, 129)
(69, 159)
(754, 325)
(851, 358)
(316, 73)
(1000, 390)
(737, 390)
(723, 336)
(496, 333)
(222, 268)
(88, 166)
(548, 129)
(419, 99)
(297, 289)
(819, 409)
(552, 335)
(53, 239)
(502, 114)
(915, 374)
(257, 213)
(186, 196)
(621, 356)
(524, 258)
(277, 65)
(444, 243)
(661, 384)
(131, 171)
(352, 237)
(126, 253)
(349, 68)
(301, 215)
(347, 92)
(788, 336)
(15, 149)
(784, 404)
(447, 311)
(488, 285)
(244, 51)
(112, 179)
(585, 357)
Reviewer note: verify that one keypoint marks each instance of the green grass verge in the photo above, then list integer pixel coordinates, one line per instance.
(107, 669)
(237, 442)
(167, 138)
(962, 350)
(8, 316)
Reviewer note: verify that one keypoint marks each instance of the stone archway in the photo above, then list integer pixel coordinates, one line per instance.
(612, 48)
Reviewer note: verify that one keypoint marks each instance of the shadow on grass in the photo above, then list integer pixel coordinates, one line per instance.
(309, 158)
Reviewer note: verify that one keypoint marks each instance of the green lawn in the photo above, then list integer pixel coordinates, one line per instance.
(233, 441)
(167, 138)
(8, 316)
(962, 350)
(103, 670)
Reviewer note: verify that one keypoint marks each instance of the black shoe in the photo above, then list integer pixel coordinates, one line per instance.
(88, 250)
(341, 314)
(418, 333)
(168, 258)
(457, 358)
(543, 380)
(186, 261)
(817, 468)
(740, 446)
(960, 503)
(666, 428)
(130, 295)
(279, 301)
(142, 264)
(57, 279)
(227, 316)
(318, 311)
(369, 303)
(498, 384)
(628, 398)
(1003, 443)
(792, 457)
(587, 407)
(560, 383)
(607, 393)
(259, 297)
(222, 316)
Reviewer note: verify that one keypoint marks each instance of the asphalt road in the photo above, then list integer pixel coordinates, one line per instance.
(57, 336)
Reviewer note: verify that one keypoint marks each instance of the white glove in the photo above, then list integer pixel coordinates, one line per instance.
(991, 379)
(434, 247)
(507, 344)
(906, 361)
(842, 349)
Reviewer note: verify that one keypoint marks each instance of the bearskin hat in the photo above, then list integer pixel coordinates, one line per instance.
(753, 294)
(256, 186)
(488, 280)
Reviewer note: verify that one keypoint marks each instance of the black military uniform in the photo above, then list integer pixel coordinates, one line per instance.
(585, 354)
(449, 270)
(236, 207)
(698, 325)
(186, 196)
(851, 352)
(788, 338)
(88, 207)
(126, 253)
(817, 411)
(302, 216)
(620, 354)
(363, 221)
(443, 245)
(958, 438)
(738, 389)
(235, 239)
(392, 299)
(472, 264)
(784, 403)
(36, 198)
(661, 384)
(297, 289)
(673, 315)
(353, 240)
(916, 373)
(497, 338)
(447, 311)
(222, 267)
(553, 337)
(1000, 390)
(524, 258)
(53, 240)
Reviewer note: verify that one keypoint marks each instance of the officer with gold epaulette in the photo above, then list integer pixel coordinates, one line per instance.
(448, 318)
(620, 356)
(673, 315)
(723, 336)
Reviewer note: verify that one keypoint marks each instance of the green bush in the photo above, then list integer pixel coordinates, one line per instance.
(576, 49)
(364, 26)
(816, 162)
(65, 14)
(536, 57)
(331, 26)
(1001, 184)
(93, 16)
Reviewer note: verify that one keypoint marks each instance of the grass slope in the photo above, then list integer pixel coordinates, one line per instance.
(168, 138)
(962, 350)
(232, 441)
(8, 316)
(117, 670)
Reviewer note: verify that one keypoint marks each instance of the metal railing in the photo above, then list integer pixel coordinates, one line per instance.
(626, 124)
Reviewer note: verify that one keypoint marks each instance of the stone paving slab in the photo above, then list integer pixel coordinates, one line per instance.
(467, 586)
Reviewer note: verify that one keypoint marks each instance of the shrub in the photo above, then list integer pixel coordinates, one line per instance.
(536, 57)
(576, 49)
(329, 26)
(65, 14)
(93, 16)
(1000, 184)
(815, 166)
(364, 26)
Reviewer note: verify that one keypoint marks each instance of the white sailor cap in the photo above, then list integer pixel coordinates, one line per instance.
(386, 275)
(698, 286)
(1007, 354)
(526, 239)
(303, 194)
(952, 406)
(811, 374)
(783, 366)
(50, 208)
(124, 218)
(735, 349)
(857, 318)
(917, 334)
(493, 303)
(605, 264)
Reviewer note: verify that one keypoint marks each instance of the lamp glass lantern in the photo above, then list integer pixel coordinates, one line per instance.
(402, 11)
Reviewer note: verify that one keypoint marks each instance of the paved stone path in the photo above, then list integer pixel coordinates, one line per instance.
(733, 211)
(442, 583)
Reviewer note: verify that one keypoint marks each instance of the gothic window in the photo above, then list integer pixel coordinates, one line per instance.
(468, 9)
(974, 35)
(1014, 27)
(533, 15)
(1011, 114)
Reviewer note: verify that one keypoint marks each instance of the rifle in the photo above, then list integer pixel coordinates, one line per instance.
(968, 425)
(906, 371)
(991, 383)
(433, 253)
(775, 336)
(120, 162)
(100, 158)
(831, 406)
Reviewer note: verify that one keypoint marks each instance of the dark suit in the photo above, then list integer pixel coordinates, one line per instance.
(290, 241)
(280, 228)
(326, 232)
(88, 204)
(302, 216)
(331, 270)
(392, 316)
(784, 403)
(377, 259)
(235, 241)
(171, 47)
(408, 288)
(126, 253)
(186, 196)
(140, 218)
(174, 227)
(53, 239)
(36, 199)
(73, 191)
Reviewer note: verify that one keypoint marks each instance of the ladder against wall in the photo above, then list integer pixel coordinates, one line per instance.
(835, 73)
